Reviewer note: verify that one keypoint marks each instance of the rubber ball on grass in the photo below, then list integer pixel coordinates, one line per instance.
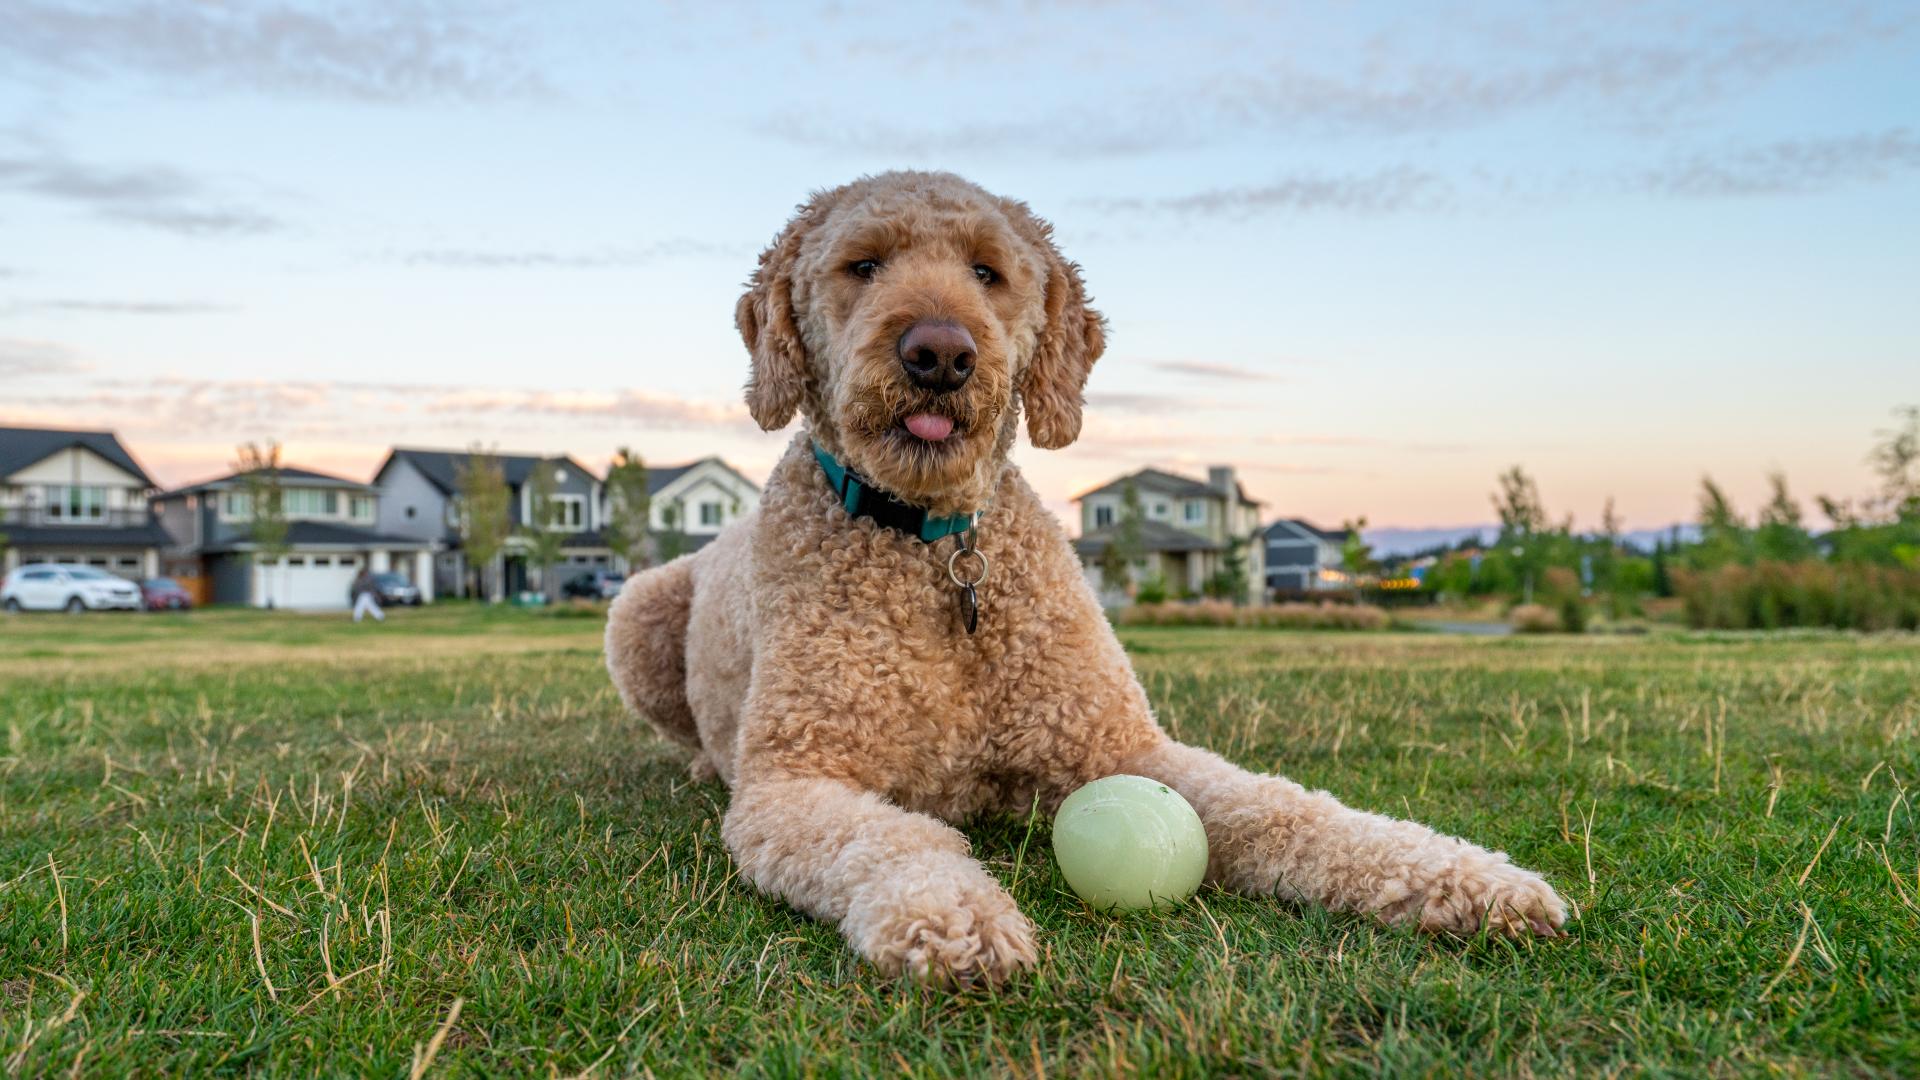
(1128, 843)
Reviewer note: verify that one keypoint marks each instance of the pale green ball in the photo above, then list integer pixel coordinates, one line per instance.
(1127, 843)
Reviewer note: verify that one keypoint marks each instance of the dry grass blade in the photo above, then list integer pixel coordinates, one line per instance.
(1804, 874)
(423, 1059)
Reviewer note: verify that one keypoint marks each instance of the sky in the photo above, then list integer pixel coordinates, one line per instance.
(1371, 255)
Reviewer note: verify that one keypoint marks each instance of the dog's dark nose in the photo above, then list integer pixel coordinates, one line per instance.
(938, 356)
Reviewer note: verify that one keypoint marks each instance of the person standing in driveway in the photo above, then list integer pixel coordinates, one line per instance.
(366, 597)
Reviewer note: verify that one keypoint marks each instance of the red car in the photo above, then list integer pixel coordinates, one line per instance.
(164, 594)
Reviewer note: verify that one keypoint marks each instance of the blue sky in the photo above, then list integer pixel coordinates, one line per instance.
(1370, 254)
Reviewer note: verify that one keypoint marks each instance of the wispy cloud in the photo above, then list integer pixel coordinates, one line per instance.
(641, 255)
(120, 307)
(20, 358)
(317, 409)
(1655, 71)
(1386, 191)
(624, 405)
(154, 197)
(377, 52)
(1209, 370)
(1785, 168)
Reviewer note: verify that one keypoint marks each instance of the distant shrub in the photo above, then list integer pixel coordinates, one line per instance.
(1560, 589)
(1151, 591)
(1300, 616)
(1535, 619)
(1773, 595)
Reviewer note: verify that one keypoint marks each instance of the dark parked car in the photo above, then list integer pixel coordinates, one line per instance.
(395, 590)
(164, 594)
(593, 585)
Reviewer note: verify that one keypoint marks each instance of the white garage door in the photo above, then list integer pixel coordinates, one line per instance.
(310, 582)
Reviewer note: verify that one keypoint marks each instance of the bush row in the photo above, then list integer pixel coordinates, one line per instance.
(1769, 595)
(1322, 616)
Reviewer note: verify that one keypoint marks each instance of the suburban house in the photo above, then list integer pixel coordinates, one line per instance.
(1303, 557)
(76, 497)
(331, 536)
(420, 499)
(1189, 530)
(689, 504)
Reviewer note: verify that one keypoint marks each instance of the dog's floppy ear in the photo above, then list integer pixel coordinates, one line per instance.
(770, 327)
(1072, 338)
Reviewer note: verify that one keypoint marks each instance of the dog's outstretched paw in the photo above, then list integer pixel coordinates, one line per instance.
(1485, 890)
(951, 926)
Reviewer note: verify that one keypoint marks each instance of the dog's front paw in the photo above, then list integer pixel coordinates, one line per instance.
(944, 922)
(1484, 889)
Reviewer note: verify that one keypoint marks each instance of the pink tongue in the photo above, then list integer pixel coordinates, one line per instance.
(929, 426)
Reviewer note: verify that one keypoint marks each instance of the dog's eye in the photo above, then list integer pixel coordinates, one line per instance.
(865, 269)
(985, 273)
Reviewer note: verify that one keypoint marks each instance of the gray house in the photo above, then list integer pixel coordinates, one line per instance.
(1302, 557)
(332, 534)
(419, 499)
(75, 497)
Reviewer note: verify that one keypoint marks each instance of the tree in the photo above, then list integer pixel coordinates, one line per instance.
(1724, 537)
(1523, 520)
(628, 507)
(1230, 581)
(541, 531)
(1780, 535)
(1606, 561)
(672, 539)
(484, 514)
(259, 470)
(1896, 458)
(1356, 555)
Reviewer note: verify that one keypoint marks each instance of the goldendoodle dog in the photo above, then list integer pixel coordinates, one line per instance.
(901, 637)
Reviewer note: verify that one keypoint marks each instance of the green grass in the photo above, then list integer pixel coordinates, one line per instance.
(451, 807)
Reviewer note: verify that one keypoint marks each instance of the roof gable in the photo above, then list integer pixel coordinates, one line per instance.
(290, 476)
(1162, 482)
(1299, 529)
(21, 447)
(442, 467)
(665, 476)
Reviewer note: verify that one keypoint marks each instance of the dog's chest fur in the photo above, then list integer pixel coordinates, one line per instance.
(865, 671)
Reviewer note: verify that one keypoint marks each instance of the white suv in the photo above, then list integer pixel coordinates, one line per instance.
(51, 587)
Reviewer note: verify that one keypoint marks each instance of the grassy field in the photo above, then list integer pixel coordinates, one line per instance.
(242, 842)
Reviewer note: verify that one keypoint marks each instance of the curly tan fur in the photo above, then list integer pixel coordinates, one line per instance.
(818, 662)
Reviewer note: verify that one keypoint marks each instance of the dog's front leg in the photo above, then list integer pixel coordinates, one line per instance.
(1267, 835)
(900, 885)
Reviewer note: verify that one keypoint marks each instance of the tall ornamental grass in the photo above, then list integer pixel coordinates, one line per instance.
(1772, 595)
(1293, 616)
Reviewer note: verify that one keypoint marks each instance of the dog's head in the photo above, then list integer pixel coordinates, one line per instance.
(909, 316)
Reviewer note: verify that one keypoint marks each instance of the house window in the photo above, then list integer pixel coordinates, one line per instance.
(1102, 516)
(362, 507)
(568, 512)
(1196, 512)
(236, 506)
(297, 560)
(71, 502)
(1159, 510)
(310, 502)
(710, 513)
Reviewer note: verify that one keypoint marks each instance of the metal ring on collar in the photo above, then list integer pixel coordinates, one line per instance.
(955, 575)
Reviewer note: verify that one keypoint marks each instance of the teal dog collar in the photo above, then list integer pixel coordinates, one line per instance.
(861, 499)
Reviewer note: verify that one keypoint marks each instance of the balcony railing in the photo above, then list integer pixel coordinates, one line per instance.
(45, 517)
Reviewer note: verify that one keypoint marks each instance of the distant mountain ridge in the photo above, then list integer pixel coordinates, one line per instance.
(1399, 541)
